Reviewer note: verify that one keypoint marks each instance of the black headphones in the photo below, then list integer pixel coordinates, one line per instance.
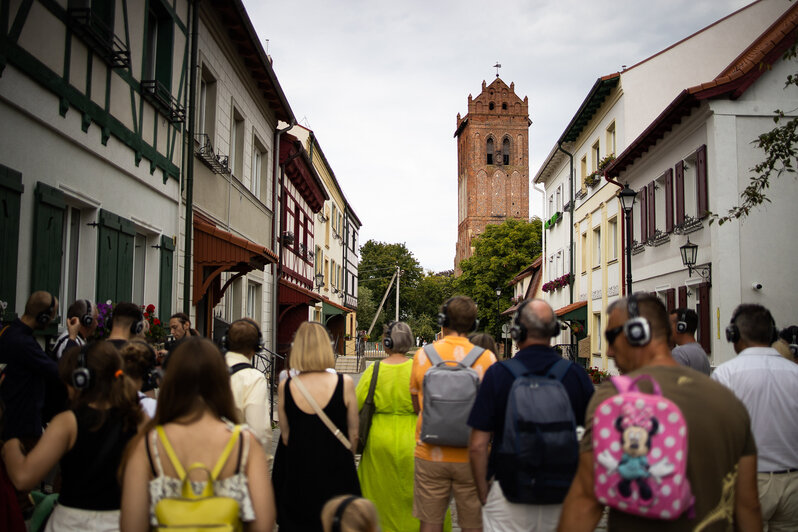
(44, 317)
(636, 329)
(88, 317)
(258, 346)
(518, 331)
(137, 326)
(387, 341)
(339, 513)
(681, 324)
(81, 375)
(733, 332)
(443, 317)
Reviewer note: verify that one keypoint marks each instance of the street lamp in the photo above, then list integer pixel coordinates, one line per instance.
(319, 278)
(627, 197)
(689, 253)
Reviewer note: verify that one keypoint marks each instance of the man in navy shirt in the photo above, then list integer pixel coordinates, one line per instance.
(487, 419)
(29, 371)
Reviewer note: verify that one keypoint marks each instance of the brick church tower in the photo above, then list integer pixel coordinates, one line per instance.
(492, 163)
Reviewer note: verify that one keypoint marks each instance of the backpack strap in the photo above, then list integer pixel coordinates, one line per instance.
(238, 367)
(621, 383)
(515, 366)
(472, 356)
(170, 452)
(373, 385)
(433, 355)
(226, 453)
(559, 369)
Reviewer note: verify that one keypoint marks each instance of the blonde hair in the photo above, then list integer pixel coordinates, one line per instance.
(311, 350)
(360, 515)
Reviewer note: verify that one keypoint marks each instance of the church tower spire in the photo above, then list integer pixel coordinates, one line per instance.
(493, 163)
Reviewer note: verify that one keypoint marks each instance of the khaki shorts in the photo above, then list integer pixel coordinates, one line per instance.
(433, 485)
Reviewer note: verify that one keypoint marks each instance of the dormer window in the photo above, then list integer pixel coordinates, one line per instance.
(491, 106)
(490, 149)
(506, 151)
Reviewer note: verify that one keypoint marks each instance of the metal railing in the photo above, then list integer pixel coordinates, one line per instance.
(265, 361)
(157, 94)
(100, 37)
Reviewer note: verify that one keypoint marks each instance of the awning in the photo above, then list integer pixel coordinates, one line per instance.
(217, 251)
(293, 294)
(574, 311)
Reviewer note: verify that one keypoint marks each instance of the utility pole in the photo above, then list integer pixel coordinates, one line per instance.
(398, 276)
(379, 309)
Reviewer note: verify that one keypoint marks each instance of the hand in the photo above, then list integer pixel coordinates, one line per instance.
(73, 326)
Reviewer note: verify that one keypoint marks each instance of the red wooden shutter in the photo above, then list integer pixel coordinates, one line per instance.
(643, 215)
(682, 297)
(669, 200)
(701, 181)
(670, 299)
(652, 210)
(703, 317)
(680, 193)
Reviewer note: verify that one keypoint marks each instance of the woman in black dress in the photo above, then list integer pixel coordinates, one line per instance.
(312, 465)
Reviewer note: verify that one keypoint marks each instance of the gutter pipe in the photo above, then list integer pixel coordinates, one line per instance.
(571, 219)
(192, 105)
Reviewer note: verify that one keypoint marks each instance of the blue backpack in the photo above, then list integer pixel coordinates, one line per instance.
(537, 459)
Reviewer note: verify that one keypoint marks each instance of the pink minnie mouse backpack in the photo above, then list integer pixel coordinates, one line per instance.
(640, 453)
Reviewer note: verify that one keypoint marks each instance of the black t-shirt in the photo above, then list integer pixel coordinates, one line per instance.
(89, 469)
(489, 407)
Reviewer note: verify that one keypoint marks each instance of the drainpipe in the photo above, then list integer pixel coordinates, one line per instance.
(626, 231)
(276, 230)
(571, 220)
(192, 112)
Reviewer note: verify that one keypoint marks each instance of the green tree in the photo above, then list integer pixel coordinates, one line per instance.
(500, 253)
(366, 307)
(424, 301)
(378, 262)
(779, 145)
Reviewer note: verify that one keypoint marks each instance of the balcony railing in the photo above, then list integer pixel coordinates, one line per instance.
(100, 38)
(204, 150)
(158, 95)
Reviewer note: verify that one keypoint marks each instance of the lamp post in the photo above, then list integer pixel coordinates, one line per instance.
(498, 310)
(627, 197)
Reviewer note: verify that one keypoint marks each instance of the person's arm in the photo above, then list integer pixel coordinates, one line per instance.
(747, 512)
(416, 405)
(73, 327)
(283, 419)
(478, 446)
(415, 382)
(135, 491)
(26, 471)
(260, 488)
(580, 510)
(256, 410)
(352, 418)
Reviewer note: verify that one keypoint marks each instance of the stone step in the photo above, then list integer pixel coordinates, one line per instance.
(348, 364)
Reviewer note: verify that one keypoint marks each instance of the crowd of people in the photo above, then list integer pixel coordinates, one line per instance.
(132, 438)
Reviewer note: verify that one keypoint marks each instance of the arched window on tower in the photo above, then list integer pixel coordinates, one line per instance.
(490, 150)
(506, 151)
(491, 106)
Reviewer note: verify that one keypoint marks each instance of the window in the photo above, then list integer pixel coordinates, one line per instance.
(599, 333)
(659, 201)
(260, 171)
(10, 196)
(583, 168)
(334, 271)
(551, 205)
(71, 243)
(139, 266)
(506, 151)
(326, 272)
(491, 106)
(253, 301)
(596, 156)
(158, 46)
(489, 148)
(611, 138)
(597, 246)
(115, 258)
(612, 239)
(504, 106)
(559, 198)
(237, 144)
(691, 186)
(237, 289)
(206, 120)
(585, 256)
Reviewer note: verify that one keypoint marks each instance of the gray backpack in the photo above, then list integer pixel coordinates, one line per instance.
(450, 388)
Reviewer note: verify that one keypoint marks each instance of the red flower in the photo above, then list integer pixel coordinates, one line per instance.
(157, 321)
(150, 308)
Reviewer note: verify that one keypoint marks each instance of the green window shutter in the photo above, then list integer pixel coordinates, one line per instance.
(124, 262)
(48, 235)
(107, 256)
(10, 191)
(165, 278)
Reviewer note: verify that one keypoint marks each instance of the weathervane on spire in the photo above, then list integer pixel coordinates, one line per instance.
(497, 66)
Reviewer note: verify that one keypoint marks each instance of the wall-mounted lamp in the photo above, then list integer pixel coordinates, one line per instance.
(689, 253)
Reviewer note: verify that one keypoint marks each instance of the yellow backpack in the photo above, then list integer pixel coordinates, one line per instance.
(196, 512)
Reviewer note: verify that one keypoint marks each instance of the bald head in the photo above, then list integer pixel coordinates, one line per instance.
(540, 322)
(38, 303)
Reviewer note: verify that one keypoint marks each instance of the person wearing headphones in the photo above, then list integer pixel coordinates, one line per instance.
(29, 372)
(767, 384)
(721, 463)
(534, 326)
(442, 470)
(127, 322)
(688, 352)
(250, 389)
(81, 324)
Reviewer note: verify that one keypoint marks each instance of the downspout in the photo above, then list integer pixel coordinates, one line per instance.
(192, 112)
(571, 220)
(624, 264)
(276, 230)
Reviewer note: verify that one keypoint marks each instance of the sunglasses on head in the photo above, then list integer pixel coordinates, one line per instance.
(612, 334)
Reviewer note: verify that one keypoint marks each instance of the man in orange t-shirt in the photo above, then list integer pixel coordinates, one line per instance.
(441, 471)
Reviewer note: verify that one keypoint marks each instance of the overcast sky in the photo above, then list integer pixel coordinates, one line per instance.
(381, 82)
